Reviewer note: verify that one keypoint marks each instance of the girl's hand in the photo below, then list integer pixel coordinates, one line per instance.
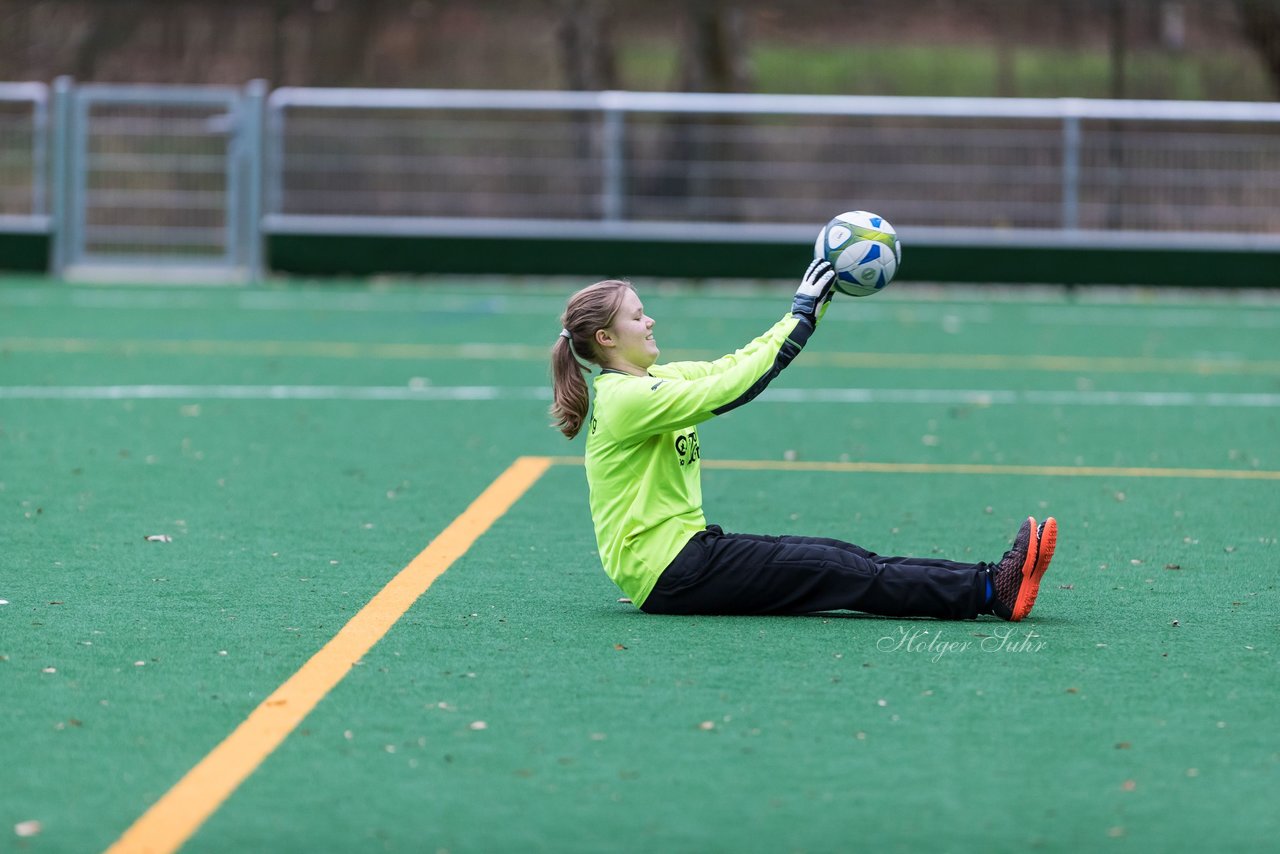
(815, 292)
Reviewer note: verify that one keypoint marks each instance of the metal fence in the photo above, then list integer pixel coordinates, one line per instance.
(431, 160)
(127, 146)
(24, 147)
(197, 176)
(157, 177)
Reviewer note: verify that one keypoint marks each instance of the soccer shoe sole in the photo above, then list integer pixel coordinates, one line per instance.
(1046, 541)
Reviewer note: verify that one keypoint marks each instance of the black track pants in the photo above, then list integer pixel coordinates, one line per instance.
(719, 573)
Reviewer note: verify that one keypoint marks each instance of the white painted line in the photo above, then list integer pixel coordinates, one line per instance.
(1161, 317)
(1151, 398)
(759, 303)
(930, 396)
(270, 392)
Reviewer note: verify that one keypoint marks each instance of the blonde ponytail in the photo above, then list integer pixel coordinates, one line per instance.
(587, 311)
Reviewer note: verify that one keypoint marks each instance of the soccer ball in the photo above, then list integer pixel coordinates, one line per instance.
(864, 250)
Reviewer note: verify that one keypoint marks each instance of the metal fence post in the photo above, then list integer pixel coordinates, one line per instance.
(253, 105)
(614, 164)
(273, 148)
(60, 177)
(1071, 171)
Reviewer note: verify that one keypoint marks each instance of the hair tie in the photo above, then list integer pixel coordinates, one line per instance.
(564, 333)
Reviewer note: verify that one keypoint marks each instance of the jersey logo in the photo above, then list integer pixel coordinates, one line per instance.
(687, 448)
(654, 387)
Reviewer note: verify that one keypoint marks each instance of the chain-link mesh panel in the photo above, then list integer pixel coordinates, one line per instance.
(21, 178)
(457, 163)
(156, 180)
(1189, 176)
(794, 169)
(933, 169)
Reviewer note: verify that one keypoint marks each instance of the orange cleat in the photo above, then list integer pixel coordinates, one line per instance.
(1014, 574)
(1046, 541)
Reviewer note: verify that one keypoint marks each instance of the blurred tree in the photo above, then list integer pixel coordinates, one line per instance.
(1260, 23)
(15, 37)
(345, 41)
(1228, 49)
(1006, 40)
(105, 28)
(584, 34)
(712, 57)
(584, 38)
(277, 66)
(713, 48)
(1118, 48)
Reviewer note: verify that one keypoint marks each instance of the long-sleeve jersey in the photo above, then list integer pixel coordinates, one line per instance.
(642, 457)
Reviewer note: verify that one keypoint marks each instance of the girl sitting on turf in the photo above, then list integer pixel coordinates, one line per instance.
(643, 471)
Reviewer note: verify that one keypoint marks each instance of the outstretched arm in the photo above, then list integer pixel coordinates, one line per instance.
(810, 303)
(691, 392)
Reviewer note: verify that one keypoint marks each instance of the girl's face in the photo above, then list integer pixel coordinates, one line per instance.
(628, 344)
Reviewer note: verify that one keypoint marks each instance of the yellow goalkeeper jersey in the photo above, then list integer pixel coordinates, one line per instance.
(642, 456)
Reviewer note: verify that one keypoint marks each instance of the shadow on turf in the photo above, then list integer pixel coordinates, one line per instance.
(825, 615)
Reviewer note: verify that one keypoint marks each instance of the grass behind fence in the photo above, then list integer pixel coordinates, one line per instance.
(972, 71)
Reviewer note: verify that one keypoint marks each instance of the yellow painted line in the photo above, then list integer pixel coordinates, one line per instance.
(525, 352)
(973, 468)
(180, 812)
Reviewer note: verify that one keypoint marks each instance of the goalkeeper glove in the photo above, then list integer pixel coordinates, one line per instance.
(815, 292)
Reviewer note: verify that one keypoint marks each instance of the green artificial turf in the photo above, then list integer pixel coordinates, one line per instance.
(1134, 710)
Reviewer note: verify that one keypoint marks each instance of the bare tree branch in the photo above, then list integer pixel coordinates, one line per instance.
(1260, 25)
